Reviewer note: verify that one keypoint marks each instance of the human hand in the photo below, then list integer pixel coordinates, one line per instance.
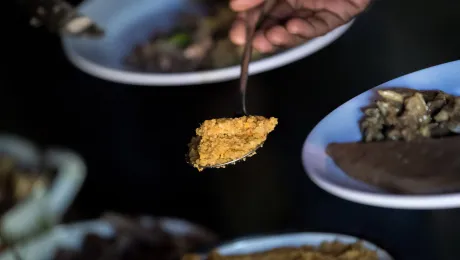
(291, 21)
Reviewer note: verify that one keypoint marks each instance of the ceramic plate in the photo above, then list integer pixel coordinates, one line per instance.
(71, 236)
(127, 24)
(342, 126)
(47, 206)
(251, 245)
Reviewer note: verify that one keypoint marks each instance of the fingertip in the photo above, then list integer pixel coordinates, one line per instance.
(300, 27)
(321, 27)
(362, 4)
(278, 35)
(237, 33)
(261, 43)
(243, 5)
(294, 26)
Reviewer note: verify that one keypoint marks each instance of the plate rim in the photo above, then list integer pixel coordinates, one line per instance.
(202, 77)
(58, 236)
(385, 200)
(303, 235)
(24, 217)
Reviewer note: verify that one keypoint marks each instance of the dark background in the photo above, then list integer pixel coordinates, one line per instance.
(134, 138)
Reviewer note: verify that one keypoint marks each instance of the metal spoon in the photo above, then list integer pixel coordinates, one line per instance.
(247, 55)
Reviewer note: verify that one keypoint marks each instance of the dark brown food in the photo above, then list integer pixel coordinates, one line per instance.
(198, 41)
(419, 166)
(410, 143)
(405, 114)
(136, 242)
(326, 251)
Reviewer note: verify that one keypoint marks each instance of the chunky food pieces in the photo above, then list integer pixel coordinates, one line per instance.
(405, 114)
(219, 141)
(326, 251)
(18, 182)
(197, 41)
(410, 143)
(135, 241)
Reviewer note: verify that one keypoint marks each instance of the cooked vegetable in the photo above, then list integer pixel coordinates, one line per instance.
(197, 42)
(403, 114)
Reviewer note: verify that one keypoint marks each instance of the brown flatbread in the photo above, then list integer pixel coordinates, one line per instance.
(420, 166)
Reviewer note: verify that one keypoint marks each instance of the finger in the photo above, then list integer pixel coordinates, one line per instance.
(345, 9)
(238, 32)
(308, 28)
(279, 36)
(303, 13)
(281, 10)
(302, 27)
(251, 17)
(238, 37)
(243, 5)
(299, 40)
(261, 43)
(269, 22)
(332, 20)
(360, 5)
(321, 27)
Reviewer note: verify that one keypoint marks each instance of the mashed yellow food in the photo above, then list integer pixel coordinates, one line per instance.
(223, 140)
(326, 251)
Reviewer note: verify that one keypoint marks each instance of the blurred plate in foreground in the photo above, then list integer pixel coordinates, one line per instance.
(169, 236)
(264, 243)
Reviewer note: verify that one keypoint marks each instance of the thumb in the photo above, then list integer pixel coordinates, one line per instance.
(243, 5)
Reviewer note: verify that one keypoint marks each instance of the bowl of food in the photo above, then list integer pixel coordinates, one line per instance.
(394, 145)
(116, 237)
(37, 187)
(167, 43)
(308, 245)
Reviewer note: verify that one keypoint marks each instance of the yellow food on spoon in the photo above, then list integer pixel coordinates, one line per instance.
(222, 140)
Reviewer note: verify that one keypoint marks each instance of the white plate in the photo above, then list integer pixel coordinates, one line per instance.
(127, 23)
(71, 236)
(252, 245)
(42, 207)
(341, 125)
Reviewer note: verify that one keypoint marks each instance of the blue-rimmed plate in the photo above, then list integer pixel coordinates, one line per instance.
(43, 208)
(127, 23)
(264, 243)
(341, 125)
(71, 236)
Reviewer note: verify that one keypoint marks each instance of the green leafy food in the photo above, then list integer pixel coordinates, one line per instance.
(180, 40)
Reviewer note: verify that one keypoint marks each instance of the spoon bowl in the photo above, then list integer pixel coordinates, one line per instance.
(232, 162)
(246, 59)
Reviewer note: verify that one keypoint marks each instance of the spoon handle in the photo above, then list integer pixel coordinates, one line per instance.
(247, 53)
